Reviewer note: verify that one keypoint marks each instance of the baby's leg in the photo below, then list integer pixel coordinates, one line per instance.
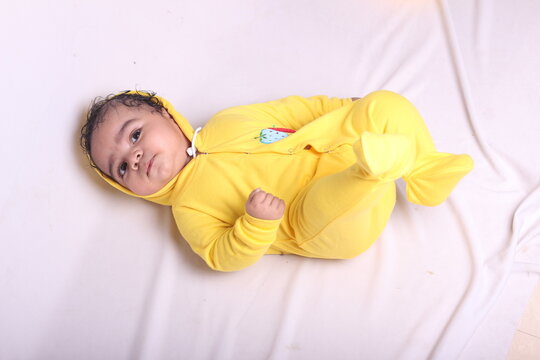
(434, 174)
(385, 112)
(341, 215)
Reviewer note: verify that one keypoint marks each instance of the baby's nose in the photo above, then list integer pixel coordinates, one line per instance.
(136, 158)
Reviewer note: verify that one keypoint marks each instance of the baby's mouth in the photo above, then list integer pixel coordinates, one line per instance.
(149, 165)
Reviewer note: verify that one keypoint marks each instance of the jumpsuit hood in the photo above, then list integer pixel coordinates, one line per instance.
(164, 195)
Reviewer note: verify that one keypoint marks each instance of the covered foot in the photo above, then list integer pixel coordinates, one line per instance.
(434, 176)
(384, 156)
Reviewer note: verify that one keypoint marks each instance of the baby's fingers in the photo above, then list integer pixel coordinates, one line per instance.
(261, 197)
(281, 205)
(253, 193)
(275, 202)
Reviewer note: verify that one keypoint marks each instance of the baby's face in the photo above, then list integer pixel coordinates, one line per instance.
(140, 149)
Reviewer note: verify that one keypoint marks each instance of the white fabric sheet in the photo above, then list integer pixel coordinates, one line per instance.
(88, 273)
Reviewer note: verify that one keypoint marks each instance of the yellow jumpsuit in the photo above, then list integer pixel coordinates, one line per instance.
(333, 161)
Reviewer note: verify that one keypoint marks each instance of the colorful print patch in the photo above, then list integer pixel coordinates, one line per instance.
(273, 134)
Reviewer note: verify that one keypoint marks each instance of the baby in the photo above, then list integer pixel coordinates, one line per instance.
(308, 176)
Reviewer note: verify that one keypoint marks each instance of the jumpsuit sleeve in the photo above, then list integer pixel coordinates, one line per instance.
(292, 112)
(224, 247)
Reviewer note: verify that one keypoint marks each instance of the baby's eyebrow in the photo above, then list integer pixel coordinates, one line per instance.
(122, 129)
(117, 138)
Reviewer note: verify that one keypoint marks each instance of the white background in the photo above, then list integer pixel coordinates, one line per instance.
(88, 273)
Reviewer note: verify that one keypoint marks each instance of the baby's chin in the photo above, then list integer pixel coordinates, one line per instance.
(155, 184)
(148, 189)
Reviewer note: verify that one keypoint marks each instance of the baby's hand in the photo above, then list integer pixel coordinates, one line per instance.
(264, 206)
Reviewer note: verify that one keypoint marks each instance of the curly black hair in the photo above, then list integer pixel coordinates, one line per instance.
(100, 106)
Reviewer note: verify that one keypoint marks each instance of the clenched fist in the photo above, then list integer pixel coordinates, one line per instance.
(263, 205)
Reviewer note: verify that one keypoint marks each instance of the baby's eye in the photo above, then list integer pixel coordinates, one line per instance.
(122, 169)
(135, 135)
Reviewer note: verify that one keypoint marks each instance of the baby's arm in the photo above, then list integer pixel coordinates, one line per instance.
(295, 111)
(230, 247)
(263, 205)
(292, 112)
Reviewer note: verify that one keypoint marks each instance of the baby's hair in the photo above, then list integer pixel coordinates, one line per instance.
(100, 106)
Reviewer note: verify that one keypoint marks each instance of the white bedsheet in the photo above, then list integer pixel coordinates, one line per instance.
(88, 273)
